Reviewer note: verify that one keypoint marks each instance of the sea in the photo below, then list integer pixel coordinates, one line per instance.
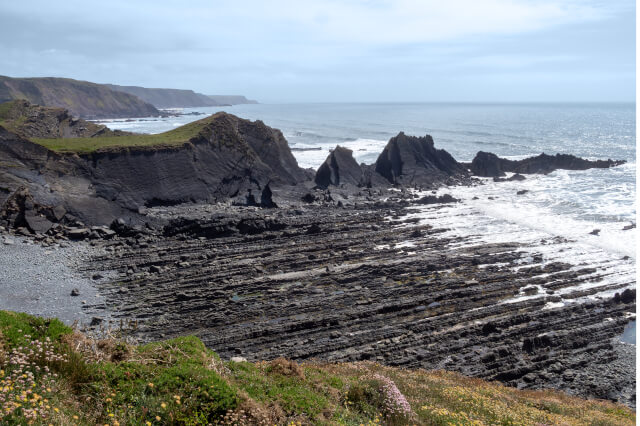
(583, 212)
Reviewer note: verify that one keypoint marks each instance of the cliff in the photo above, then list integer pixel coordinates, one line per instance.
(231, 99)
(168, 98)
(81, 98)
(34, 121)
(213, 159)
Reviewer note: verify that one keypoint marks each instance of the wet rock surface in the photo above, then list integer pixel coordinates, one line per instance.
(370, 283)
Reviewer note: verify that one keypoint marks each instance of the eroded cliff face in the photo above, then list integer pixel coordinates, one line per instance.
(227, 158)
(35, 121)
(81, 98)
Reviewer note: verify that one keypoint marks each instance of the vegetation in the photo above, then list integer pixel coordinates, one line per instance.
(175, 137)
(51, 374)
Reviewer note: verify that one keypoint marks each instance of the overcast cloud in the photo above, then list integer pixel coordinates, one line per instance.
(367, 50)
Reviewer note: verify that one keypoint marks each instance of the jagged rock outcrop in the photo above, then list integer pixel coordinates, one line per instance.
(35, 121)
(225, 159)
(411, 160)
(339, 168)
(490, 165)
(81, 98)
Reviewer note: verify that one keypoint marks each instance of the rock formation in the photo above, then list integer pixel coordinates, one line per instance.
(410, 160)
(227, 157)
(81, 98)
(34, 121)
(338, 169)
(168, 98)
(490, 165)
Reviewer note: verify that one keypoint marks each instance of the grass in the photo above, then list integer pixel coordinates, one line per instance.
(175, 137)
(72, 379)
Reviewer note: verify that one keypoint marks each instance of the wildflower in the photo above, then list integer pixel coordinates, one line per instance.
(158, 418)
(163, 405)
(150, 385)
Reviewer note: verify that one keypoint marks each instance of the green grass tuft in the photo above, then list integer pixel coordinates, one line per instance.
(181, 382)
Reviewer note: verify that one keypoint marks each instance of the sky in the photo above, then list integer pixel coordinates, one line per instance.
(283, 51)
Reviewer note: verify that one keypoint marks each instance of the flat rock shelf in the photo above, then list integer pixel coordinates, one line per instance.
(397, 283)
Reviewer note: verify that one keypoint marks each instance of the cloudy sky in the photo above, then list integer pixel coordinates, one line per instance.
(324, 51)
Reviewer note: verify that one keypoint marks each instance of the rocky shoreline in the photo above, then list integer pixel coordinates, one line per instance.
(368, 282)
(262, 260)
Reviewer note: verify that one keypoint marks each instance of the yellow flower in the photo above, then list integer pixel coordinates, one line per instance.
(150, 384)
(148, 423)
(75, 417)
(110, 414)
(158, 418)
(56, 409)
(163, 405)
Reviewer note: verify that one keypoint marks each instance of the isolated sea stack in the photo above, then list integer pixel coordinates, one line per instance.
(411, 160)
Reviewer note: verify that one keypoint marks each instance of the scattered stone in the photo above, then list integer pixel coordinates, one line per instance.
(75, 292)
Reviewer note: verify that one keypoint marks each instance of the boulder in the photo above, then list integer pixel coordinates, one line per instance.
(36, 223)
(432, 199)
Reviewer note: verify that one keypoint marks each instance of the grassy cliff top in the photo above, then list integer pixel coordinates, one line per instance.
(175, 137)
(50, 374)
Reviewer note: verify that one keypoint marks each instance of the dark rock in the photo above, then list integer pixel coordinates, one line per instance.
(36, 223)
(338, 169)
(522, 192)
(490, 165)
(487, 164)
(595, 232)
(97, 277)
(309, 198)
(432, 199)
(75, 292)
(627, 296)
(628, 227)
(411, 160)
(78, 233)
(95, 321)
(266, 198)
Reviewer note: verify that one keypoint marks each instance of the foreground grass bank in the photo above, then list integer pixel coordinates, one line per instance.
(53, 375)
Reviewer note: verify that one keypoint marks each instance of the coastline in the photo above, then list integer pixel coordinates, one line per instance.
(370, 282)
